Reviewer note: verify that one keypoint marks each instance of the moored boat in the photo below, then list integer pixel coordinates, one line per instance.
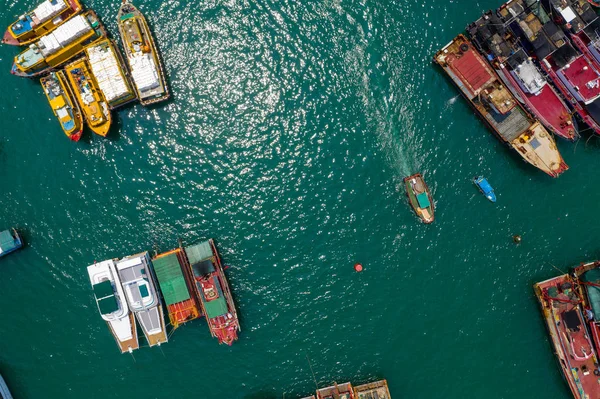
(109, 73)
(372, 390)
(112, 304)
(59, 46)
(588, 275)
(498, 108)
(569, 70)
(517, 70)
(576, 355)
(41, 20)
(63, 104)
(484, 186)
(169, 270)
(212, 291)
(419, 197)
(336, 391)
(142, 55)
(4, 392)
(10, 241)
(89, 97)
(142, 297)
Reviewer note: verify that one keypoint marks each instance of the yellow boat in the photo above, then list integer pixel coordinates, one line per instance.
(142, 55)
(63, 105)
(59, 46)
(41, 20)
(89, 96)
(107, 68)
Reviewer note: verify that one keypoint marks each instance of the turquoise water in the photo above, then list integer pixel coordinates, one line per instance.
(291, 127)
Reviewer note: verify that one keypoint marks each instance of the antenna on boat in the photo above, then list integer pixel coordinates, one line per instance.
(557, 268)
(312, 372)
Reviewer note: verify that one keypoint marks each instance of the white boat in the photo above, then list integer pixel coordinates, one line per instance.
(112, 304)
(142, 297)
(4, 392)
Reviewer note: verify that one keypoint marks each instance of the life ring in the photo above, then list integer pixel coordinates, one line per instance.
(464, 47)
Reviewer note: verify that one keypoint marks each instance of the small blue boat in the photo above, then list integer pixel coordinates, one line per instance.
(10, 241)
(485, 187)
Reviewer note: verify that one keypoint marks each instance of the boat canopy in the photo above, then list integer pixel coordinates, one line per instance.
(170, 278)
(423, 200)
(485, 186)
(593, 276)
(7, 241)
(105, 296)
(199, 252)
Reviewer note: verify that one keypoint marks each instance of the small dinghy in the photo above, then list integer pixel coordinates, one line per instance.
(485, 187)
(419, 197)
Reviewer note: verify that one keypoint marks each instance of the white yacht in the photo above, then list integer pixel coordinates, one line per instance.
(112, 305)
(142, 297)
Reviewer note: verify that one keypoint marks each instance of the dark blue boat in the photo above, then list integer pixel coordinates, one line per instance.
(485, 188)
(10, 241)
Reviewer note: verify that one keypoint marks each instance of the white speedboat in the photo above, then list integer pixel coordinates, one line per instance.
(112, 304)
(142, 297)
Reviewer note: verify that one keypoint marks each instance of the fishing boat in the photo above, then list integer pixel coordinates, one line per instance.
(142, 55)
(484, 186)
(64, 106)
(142, 297)
(112, 304)
(212, 291)
(577, 358)
(419, 197)
(89, 97)
(372, 390)
(588, 275)
(59, 46)
(109, 73)
(41, 20)
(493, 38)
(10, 241)
(570, 71)
(169, 270)
(495, 104)
(4, 392)
(336, 391)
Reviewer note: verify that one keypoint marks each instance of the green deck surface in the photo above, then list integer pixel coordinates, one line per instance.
(171, 280)
(199, 252)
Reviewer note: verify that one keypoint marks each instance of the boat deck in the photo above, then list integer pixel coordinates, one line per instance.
(551, 110)
(471, 69)
(372, 390)
(336, 391)
(584, 79)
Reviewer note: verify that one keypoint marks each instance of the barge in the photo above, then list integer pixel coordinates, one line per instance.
(212, 291)
(59, 46)
(169, 270)
(142, 55)
(498, 108)
(562, 313)
(41, 20)
(372, 390)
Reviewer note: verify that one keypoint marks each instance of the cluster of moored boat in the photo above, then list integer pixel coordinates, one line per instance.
(571, 309)
(82, 70)
(189, 281)
(527, 68)
(372, 390)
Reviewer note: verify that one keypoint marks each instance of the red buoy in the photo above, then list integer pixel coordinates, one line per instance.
(358, 267)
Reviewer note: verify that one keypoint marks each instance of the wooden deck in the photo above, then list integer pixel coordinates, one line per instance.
(130, 344)
(372, 390)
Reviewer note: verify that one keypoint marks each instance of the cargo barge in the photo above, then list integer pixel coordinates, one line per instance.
(212, 291)
(58, 47)
(493, 38)
(562, 313)
(372, 390)
(41, 20)
(169, 271)
(109, 73)
(498, 108)
(147, 72)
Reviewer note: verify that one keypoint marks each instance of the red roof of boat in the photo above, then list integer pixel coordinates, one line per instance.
(471, 69)
(580, 74)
